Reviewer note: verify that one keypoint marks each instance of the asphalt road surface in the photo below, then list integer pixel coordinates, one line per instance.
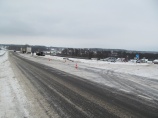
(74, 97)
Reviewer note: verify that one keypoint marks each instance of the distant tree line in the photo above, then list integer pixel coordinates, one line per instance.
(92, 52)
(101, 54)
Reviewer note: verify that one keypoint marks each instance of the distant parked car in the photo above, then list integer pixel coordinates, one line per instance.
(111, 59)
(138, 61)
(120, 60)
(133, 60)
(144, 60)
(40, 53)
(66, 58)
(155, 61)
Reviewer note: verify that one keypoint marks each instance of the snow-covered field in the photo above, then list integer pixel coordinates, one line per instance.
(148, 70)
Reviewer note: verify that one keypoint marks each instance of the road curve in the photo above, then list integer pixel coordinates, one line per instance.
(75, 97)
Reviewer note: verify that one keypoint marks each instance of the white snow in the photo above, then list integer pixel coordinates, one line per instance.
(148, 70)
(2, 52)
(13, 103)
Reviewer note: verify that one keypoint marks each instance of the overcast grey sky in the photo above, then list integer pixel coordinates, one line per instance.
(121, 24)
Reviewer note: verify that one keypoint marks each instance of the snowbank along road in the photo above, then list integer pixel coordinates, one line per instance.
(60, 93)
(15, 100)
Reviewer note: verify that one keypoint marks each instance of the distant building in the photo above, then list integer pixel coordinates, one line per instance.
(26, 49)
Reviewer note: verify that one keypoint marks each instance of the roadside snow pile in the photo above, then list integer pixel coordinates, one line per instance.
(141, 69)
(88, 61)
(2, 52)
(53, 57)
(12, 99)
(3, 57)
(144, 70)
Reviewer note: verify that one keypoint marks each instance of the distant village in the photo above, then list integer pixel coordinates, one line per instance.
(85, 53)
